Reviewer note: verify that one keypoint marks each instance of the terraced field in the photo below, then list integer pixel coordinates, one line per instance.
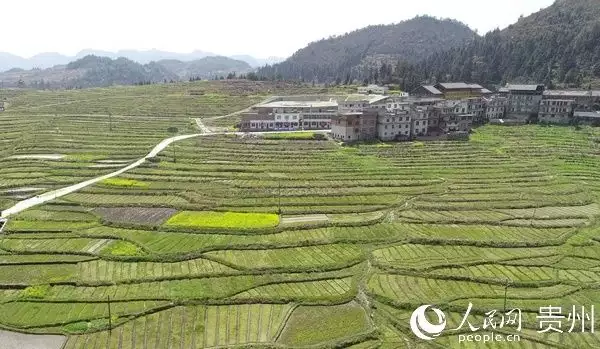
(193, 253)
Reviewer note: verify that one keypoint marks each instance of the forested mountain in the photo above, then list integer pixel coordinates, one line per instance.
(347, 56)
(103, 71)
(559, 44)
(93, 71)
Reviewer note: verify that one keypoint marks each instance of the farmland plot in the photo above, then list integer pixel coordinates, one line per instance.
(245, 324)
(178, 327)
(110, 271)
(316, 257)
(135, 215)
(437, 222)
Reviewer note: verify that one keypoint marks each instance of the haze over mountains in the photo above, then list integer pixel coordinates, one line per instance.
(50, 59)
(95, 71)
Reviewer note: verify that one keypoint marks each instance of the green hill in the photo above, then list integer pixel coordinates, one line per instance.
(95, 71)
(558, 44)
(351, 54)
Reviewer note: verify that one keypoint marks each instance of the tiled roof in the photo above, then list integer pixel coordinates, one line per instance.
(455, 85)
(431, 89)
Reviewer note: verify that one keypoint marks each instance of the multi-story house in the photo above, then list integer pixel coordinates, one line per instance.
(495, 108)
(556, 111)
(420, 120)
(397, 105)
(476, 106)
(357, 117)
(583, 100)
(290, 116)
(453, 117)
(583, 106)
(523, 101)
(354, 126)
(395, 123)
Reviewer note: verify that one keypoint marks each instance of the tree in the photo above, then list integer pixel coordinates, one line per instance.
(252, 76)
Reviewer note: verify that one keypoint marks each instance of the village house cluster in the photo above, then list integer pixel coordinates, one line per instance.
(440, 110)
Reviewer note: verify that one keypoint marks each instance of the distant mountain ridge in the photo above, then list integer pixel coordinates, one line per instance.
(50, 59)
(95, 71)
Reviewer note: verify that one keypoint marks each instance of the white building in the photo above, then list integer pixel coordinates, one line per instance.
(420, 121)
(523, 101)
(394, 125)
(373, 89)
(291, 115)
(556, 111)
(360, 103)
(496, 108)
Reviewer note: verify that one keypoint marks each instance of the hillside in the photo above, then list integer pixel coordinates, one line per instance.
(557, 45)
(205, 67)
(353, 53)
(94, 71)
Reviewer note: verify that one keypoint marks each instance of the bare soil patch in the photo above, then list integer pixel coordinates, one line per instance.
(305, 219)
(135, 215)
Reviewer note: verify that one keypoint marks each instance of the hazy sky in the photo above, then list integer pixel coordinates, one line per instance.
(257, 27)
